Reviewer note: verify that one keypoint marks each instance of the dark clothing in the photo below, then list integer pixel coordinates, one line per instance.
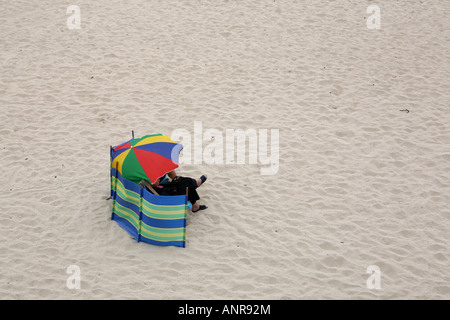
(179, 188)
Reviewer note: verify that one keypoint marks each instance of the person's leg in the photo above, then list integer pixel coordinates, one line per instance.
(201, 180)
(193, 196)
(197, 207)
(191, 185)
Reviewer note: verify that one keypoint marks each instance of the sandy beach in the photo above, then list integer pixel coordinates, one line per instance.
(361, 179)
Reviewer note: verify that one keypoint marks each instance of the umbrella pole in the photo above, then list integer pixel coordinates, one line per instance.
(115, 190)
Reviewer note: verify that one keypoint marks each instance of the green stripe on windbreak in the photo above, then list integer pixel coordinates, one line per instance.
(126, 214)
(128, 201)
(163, 216)
(164, 238)
(150, 209)
(160, 239)
(120, 185)
(166, 231)
(168, 212)
(128, 195)
(163, 207)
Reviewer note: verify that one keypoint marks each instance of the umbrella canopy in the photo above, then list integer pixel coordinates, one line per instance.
(146, 158)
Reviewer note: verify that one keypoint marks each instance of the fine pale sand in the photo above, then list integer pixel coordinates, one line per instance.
(364, 147)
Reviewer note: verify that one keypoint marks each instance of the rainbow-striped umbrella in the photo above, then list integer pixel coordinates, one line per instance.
(146, 158)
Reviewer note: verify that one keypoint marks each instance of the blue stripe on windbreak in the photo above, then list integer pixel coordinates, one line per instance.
(164, 243)
(130, 185)
(164, 200)
(126, 225)
(152, 199)
(128, 204)
(160, 223)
